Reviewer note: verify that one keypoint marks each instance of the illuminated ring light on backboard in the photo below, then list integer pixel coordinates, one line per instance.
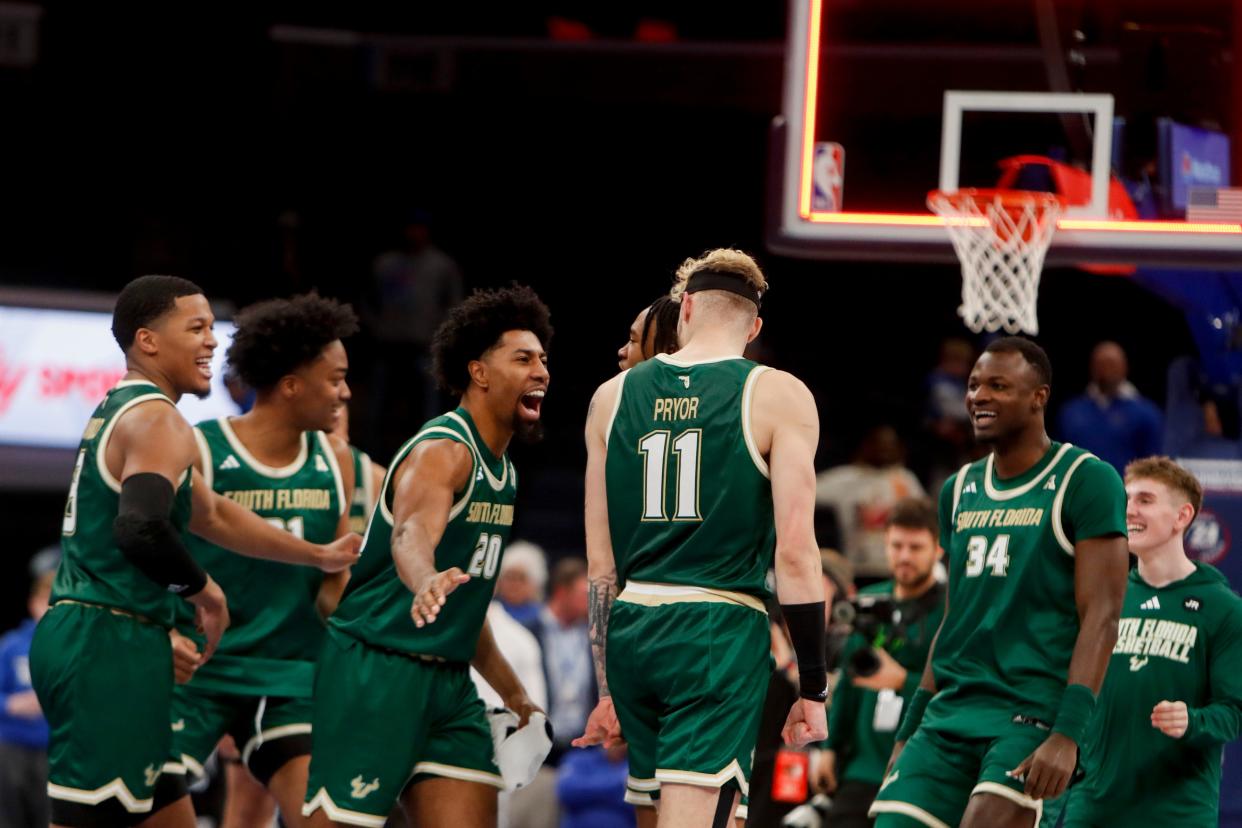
(1191, 243)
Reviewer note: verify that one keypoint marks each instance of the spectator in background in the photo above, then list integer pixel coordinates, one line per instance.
(412, 289)
(1111, 419)
(871, 692)
(945, 421)
(561, 629)
(23, 730)
(520, 583)
(863, 494)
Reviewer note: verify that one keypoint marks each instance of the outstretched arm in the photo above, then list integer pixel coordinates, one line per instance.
(423, 489)
(333, 585)
(235, 527)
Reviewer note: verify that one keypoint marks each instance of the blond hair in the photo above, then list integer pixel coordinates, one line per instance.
(1165, 470)
(724, 260)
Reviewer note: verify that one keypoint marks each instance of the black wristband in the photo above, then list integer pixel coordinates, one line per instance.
(806, 633)
(147, 539)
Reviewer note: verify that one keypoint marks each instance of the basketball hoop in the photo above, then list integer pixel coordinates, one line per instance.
(1000, 237)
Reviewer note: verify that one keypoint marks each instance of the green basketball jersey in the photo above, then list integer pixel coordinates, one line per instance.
(689, 501)
(1005, 646)
(92, 569)
(376, 605)
(364, 492)
(1179, 642)
(275, 632)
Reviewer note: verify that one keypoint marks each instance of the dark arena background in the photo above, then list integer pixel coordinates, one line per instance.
(587, 149)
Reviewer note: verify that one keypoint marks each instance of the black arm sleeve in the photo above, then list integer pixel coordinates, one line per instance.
(146, 537)
(806, 633)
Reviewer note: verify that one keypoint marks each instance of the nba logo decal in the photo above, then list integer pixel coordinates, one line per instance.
(828, 176)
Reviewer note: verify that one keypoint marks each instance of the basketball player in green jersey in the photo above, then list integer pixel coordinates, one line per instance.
(1173, 696)
(699, 469)
(1036, 552)
(277, 461)
(396, 715)
(101, 661)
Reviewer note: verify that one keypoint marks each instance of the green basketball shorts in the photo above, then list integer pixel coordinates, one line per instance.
(938, 772)
(688, 671)
(384, 720)
(268, 730)
(104, 679)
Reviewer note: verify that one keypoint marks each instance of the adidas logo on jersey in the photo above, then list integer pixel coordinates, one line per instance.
(230, 462)
(970, 488)
(1051, 485)
(1152, 603)
(320, 465)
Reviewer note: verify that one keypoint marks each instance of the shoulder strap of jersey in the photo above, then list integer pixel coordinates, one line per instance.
(325, 445)
(204, 452)
(436, 432)
(1058, 528)
(958, 484)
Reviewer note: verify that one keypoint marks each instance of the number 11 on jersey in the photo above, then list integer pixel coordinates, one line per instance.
(655, 448)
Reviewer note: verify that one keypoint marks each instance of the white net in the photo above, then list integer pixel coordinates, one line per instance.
(1000, 237)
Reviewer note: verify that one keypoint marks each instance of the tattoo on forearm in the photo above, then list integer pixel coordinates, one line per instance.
(603, 591)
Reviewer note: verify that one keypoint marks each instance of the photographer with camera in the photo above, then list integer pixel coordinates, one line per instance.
(893, 626)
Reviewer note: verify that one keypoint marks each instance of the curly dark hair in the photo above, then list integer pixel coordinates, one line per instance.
(476, 325)
(276, 337)
(662, 316)
(145, 300)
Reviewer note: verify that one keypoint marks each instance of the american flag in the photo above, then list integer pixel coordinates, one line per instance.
(1211, 205)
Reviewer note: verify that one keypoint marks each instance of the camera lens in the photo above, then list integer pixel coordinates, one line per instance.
(864, 663)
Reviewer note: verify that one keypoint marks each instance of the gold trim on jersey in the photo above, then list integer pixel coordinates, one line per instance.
(400, 458)
(748, 394)
(101, 448)
(656, 595)
(888, 806)
(732, 770)
(464, 774)
(1058, 530)
(114, 610)
(497, 485)
(1036, 805)
(257, 740)
(690, 363)
(204, 452)
(326, 446)
(1010, 494)
(339, 814)
(262, 468)
(116, 788)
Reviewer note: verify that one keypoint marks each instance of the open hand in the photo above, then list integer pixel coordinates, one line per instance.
(432, 594)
